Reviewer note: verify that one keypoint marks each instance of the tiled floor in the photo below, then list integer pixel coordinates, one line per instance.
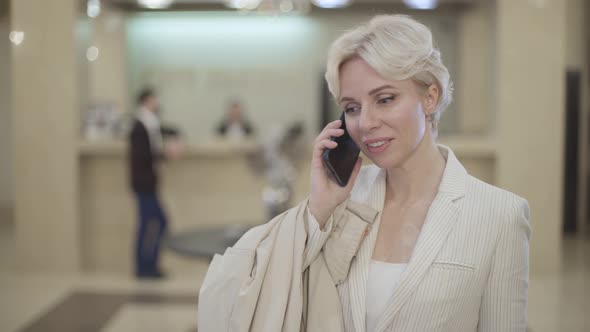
(153, 317)
(562, 303)
(96, 303)
(31, 303)
(113, 312)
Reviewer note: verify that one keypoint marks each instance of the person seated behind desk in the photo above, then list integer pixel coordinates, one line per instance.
(235, 125)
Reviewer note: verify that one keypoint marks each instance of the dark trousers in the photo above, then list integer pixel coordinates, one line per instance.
(150, 230)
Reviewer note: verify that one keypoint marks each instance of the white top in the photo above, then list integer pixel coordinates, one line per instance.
(381, 285)
(152, 124)
(235, 131)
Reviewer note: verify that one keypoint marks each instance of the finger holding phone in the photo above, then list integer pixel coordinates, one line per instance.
(335, 165)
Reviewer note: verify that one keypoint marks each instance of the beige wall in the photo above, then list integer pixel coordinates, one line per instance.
(531, 60)
(474, 96)
(44, 97)
(6, 173)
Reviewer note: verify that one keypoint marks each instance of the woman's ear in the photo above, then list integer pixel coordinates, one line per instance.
(431, 99)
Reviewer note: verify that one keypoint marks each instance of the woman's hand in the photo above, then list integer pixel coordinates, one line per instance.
(326, 194)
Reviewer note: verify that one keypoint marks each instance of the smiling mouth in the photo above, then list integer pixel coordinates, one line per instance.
(377, 144)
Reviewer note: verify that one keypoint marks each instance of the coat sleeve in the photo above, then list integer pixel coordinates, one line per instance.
(504, 302)
(316, 237)
(218, 293)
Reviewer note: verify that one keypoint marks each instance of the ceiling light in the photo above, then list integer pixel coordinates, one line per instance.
(92, 53)
(243, 4)
(155, 4)
(16, 37)
(331, 3)
(421, 4)
(93, 8)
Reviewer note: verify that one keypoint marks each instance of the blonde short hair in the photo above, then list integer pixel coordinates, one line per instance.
(398, 48)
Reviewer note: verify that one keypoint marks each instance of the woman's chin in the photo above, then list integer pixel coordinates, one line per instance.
(385, 163)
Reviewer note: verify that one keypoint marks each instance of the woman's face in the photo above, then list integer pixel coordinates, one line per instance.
(386, 119)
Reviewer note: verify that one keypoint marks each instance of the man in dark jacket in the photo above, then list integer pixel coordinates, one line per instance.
(146, 150)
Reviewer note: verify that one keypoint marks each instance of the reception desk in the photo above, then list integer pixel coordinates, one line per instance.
(211, 185)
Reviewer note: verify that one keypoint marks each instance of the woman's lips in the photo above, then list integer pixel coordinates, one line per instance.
(378, 145)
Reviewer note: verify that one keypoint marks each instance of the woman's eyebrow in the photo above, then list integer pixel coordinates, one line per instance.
(374, 91)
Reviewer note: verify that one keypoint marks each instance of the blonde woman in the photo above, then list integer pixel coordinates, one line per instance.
(412, 243)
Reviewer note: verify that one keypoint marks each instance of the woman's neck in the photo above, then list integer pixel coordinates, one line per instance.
(419, 176)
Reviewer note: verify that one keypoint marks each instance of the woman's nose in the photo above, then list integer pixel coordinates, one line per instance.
(369, 119)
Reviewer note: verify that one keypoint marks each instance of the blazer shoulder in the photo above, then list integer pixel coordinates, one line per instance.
(476, 186)
(496, 201)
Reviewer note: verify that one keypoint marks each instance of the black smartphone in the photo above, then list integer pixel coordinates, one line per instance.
(340, 161)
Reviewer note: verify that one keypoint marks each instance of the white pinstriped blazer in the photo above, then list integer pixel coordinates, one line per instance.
(468, 270)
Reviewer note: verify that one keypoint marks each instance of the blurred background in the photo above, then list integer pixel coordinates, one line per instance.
(70, 73)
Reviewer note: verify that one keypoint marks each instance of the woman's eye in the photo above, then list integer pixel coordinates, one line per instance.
(386, 100)
(351, 109)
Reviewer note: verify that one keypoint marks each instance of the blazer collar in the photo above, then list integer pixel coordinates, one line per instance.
(454, 176)
(439, 222)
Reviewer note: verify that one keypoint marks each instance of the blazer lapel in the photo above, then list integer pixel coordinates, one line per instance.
(359, 270)
(440, 221)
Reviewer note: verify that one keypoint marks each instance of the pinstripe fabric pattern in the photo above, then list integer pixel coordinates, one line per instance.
(468, 270)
